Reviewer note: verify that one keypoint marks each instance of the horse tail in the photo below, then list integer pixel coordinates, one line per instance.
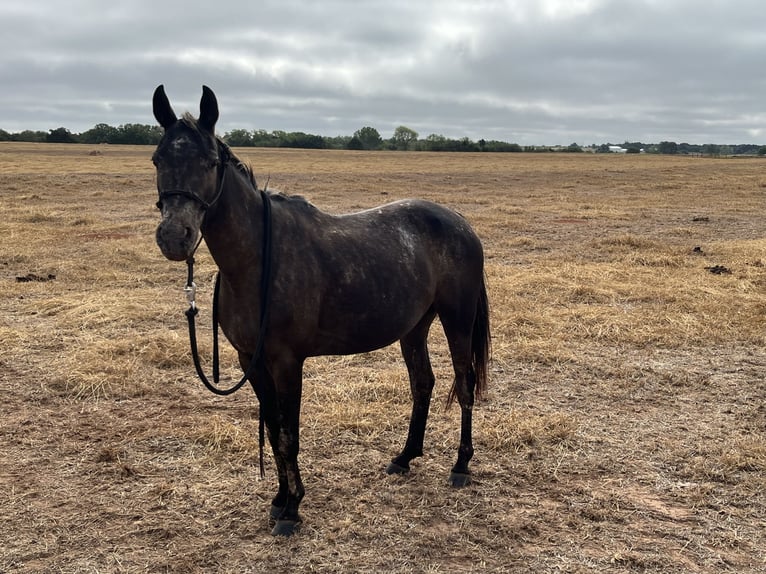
(481, 343)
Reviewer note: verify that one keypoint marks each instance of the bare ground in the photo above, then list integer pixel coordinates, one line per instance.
(623, 431)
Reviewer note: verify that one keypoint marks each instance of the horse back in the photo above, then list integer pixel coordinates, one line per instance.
(408, 237)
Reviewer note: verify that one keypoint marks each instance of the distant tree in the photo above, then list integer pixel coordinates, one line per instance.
(239, 138)
(355, 143)
(30, 136)
(712, 150)
(303, 140)
(435, 142)
(404, 137)
(4, 136)
(498, 146)
(573, 148)
(633, 145)
(466, 144)
(762, 151)
(278, 136)
(262, 138)
(369, 137)
(139, 134)
(60, 135)
(669, 148)
(100, 133)
(337, 142)
(687, 148)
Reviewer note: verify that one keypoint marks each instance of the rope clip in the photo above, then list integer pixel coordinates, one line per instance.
(191, 293)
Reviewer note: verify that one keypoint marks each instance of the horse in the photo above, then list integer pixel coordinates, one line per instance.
(337, 285)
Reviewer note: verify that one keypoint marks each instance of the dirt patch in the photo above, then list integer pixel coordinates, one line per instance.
(35, 277)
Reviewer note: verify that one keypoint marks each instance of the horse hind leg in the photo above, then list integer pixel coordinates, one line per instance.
(459, 336)
(414, 348)
(464, 387)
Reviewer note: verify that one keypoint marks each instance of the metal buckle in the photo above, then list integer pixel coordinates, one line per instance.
(191, 293)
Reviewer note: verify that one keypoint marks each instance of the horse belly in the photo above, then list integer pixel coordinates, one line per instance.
(352, 341)
(358, 322)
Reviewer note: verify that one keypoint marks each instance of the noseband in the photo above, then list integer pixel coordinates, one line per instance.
(225, 156)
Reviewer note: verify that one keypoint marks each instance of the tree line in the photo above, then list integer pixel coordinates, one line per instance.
(131, 134)
(366, 138)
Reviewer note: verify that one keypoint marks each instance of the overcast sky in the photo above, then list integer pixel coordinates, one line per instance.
(525, 71)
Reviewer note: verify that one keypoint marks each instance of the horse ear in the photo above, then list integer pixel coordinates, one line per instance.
(162, 110)
(208, 109)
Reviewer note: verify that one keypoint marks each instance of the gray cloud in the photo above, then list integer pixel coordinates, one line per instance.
(532, 72)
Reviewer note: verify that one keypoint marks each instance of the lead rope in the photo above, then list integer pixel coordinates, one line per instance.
(256, 362)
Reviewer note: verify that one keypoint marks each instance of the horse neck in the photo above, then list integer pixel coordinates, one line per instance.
(234, 229)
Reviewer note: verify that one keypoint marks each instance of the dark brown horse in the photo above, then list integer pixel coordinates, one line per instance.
(338, 285)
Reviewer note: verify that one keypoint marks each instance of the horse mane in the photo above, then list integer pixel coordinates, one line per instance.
(247, 171)
(244, 168)
(297, 201)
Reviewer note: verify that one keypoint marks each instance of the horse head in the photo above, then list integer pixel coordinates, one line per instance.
(190, 169)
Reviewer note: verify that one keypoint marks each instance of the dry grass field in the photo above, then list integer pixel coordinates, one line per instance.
(624, 429)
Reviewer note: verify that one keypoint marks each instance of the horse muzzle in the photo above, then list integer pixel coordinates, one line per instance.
(176, 240)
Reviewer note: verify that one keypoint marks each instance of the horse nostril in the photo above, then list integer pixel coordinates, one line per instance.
(188, 232)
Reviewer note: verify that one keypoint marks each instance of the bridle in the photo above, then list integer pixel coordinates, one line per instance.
(256, 361)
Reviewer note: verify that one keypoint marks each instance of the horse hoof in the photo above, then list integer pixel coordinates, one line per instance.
(275, 512)
(285, 528)
(459, 479)
(394, 468)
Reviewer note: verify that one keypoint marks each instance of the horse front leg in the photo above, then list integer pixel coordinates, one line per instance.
(279, 501)
(265, 389)
(284, 508)
(285, 443)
